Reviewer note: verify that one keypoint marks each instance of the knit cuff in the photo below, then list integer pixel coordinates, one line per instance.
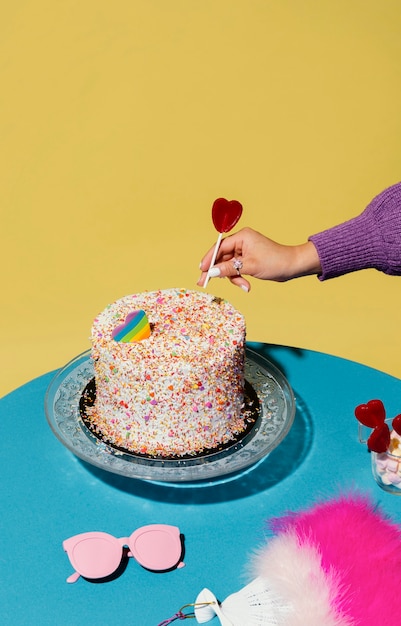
(371, 240)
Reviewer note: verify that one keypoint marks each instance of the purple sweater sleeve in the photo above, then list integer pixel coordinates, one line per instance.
(371, 240)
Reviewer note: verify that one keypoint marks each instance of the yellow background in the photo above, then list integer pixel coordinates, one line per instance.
(121, 122)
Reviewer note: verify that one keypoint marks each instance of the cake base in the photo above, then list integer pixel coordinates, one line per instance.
(277, 412)
(250, 413)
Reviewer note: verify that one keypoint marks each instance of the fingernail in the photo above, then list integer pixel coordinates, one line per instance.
(245, 288)
(200, 266)
(214, 272)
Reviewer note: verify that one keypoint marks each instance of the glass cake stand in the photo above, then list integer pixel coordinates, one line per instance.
(275, 418)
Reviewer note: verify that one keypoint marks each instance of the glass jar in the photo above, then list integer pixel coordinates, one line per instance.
(386, 469)
(386, 466)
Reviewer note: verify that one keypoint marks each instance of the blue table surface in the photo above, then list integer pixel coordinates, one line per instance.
(48, 494)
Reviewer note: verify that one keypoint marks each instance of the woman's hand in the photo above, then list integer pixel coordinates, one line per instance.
(261, 257)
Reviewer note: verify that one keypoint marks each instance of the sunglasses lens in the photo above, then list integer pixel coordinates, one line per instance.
(95, 555)
(156, 547)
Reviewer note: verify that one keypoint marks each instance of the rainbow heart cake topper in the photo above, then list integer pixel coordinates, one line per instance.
(135, 328)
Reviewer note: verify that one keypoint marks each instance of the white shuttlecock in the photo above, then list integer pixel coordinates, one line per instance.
(256, 605)
(207, 607)
(204, 606)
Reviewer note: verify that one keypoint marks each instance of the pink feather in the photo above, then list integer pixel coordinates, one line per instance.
(359, 554)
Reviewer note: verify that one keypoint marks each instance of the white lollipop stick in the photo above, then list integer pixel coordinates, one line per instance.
(212, 262)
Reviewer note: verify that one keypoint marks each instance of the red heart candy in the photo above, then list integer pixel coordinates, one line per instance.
(379, 440)
(396, 423)
(225, 214)
(371, 414)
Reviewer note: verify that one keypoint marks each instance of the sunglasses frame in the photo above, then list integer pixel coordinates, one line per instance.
(156, 547)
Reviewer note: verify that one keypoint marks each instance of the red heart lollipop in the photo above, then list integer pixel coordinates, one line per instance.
(371, 414)
(396, 423)
(225, 214)
(379, 440)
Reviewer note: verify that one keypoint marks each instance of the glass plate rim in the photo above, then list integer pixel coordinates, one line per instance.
(242, 455)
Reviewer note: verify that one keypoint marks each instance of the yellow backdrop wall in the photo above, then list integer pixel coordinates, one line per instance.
(121, 122)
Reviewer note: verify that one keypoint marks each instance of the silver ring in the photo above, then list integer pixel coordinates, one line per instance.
(237, 265)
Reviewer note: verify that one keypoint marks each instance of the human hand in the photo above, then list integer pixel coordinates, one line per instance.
(261, 258)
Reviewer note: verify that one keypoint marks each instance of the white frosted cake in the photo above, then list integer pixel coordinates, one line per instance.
(176, 391)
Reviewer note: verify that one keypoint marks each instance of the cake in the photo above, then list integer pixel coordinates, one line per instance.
(180, 390)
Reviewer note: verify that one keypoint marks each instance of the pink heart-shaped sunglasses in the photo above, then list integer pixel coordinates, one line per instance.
(157, 547)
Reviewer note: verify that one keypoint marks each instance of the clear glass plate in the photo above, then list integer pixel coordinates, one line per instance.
(277, 412)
